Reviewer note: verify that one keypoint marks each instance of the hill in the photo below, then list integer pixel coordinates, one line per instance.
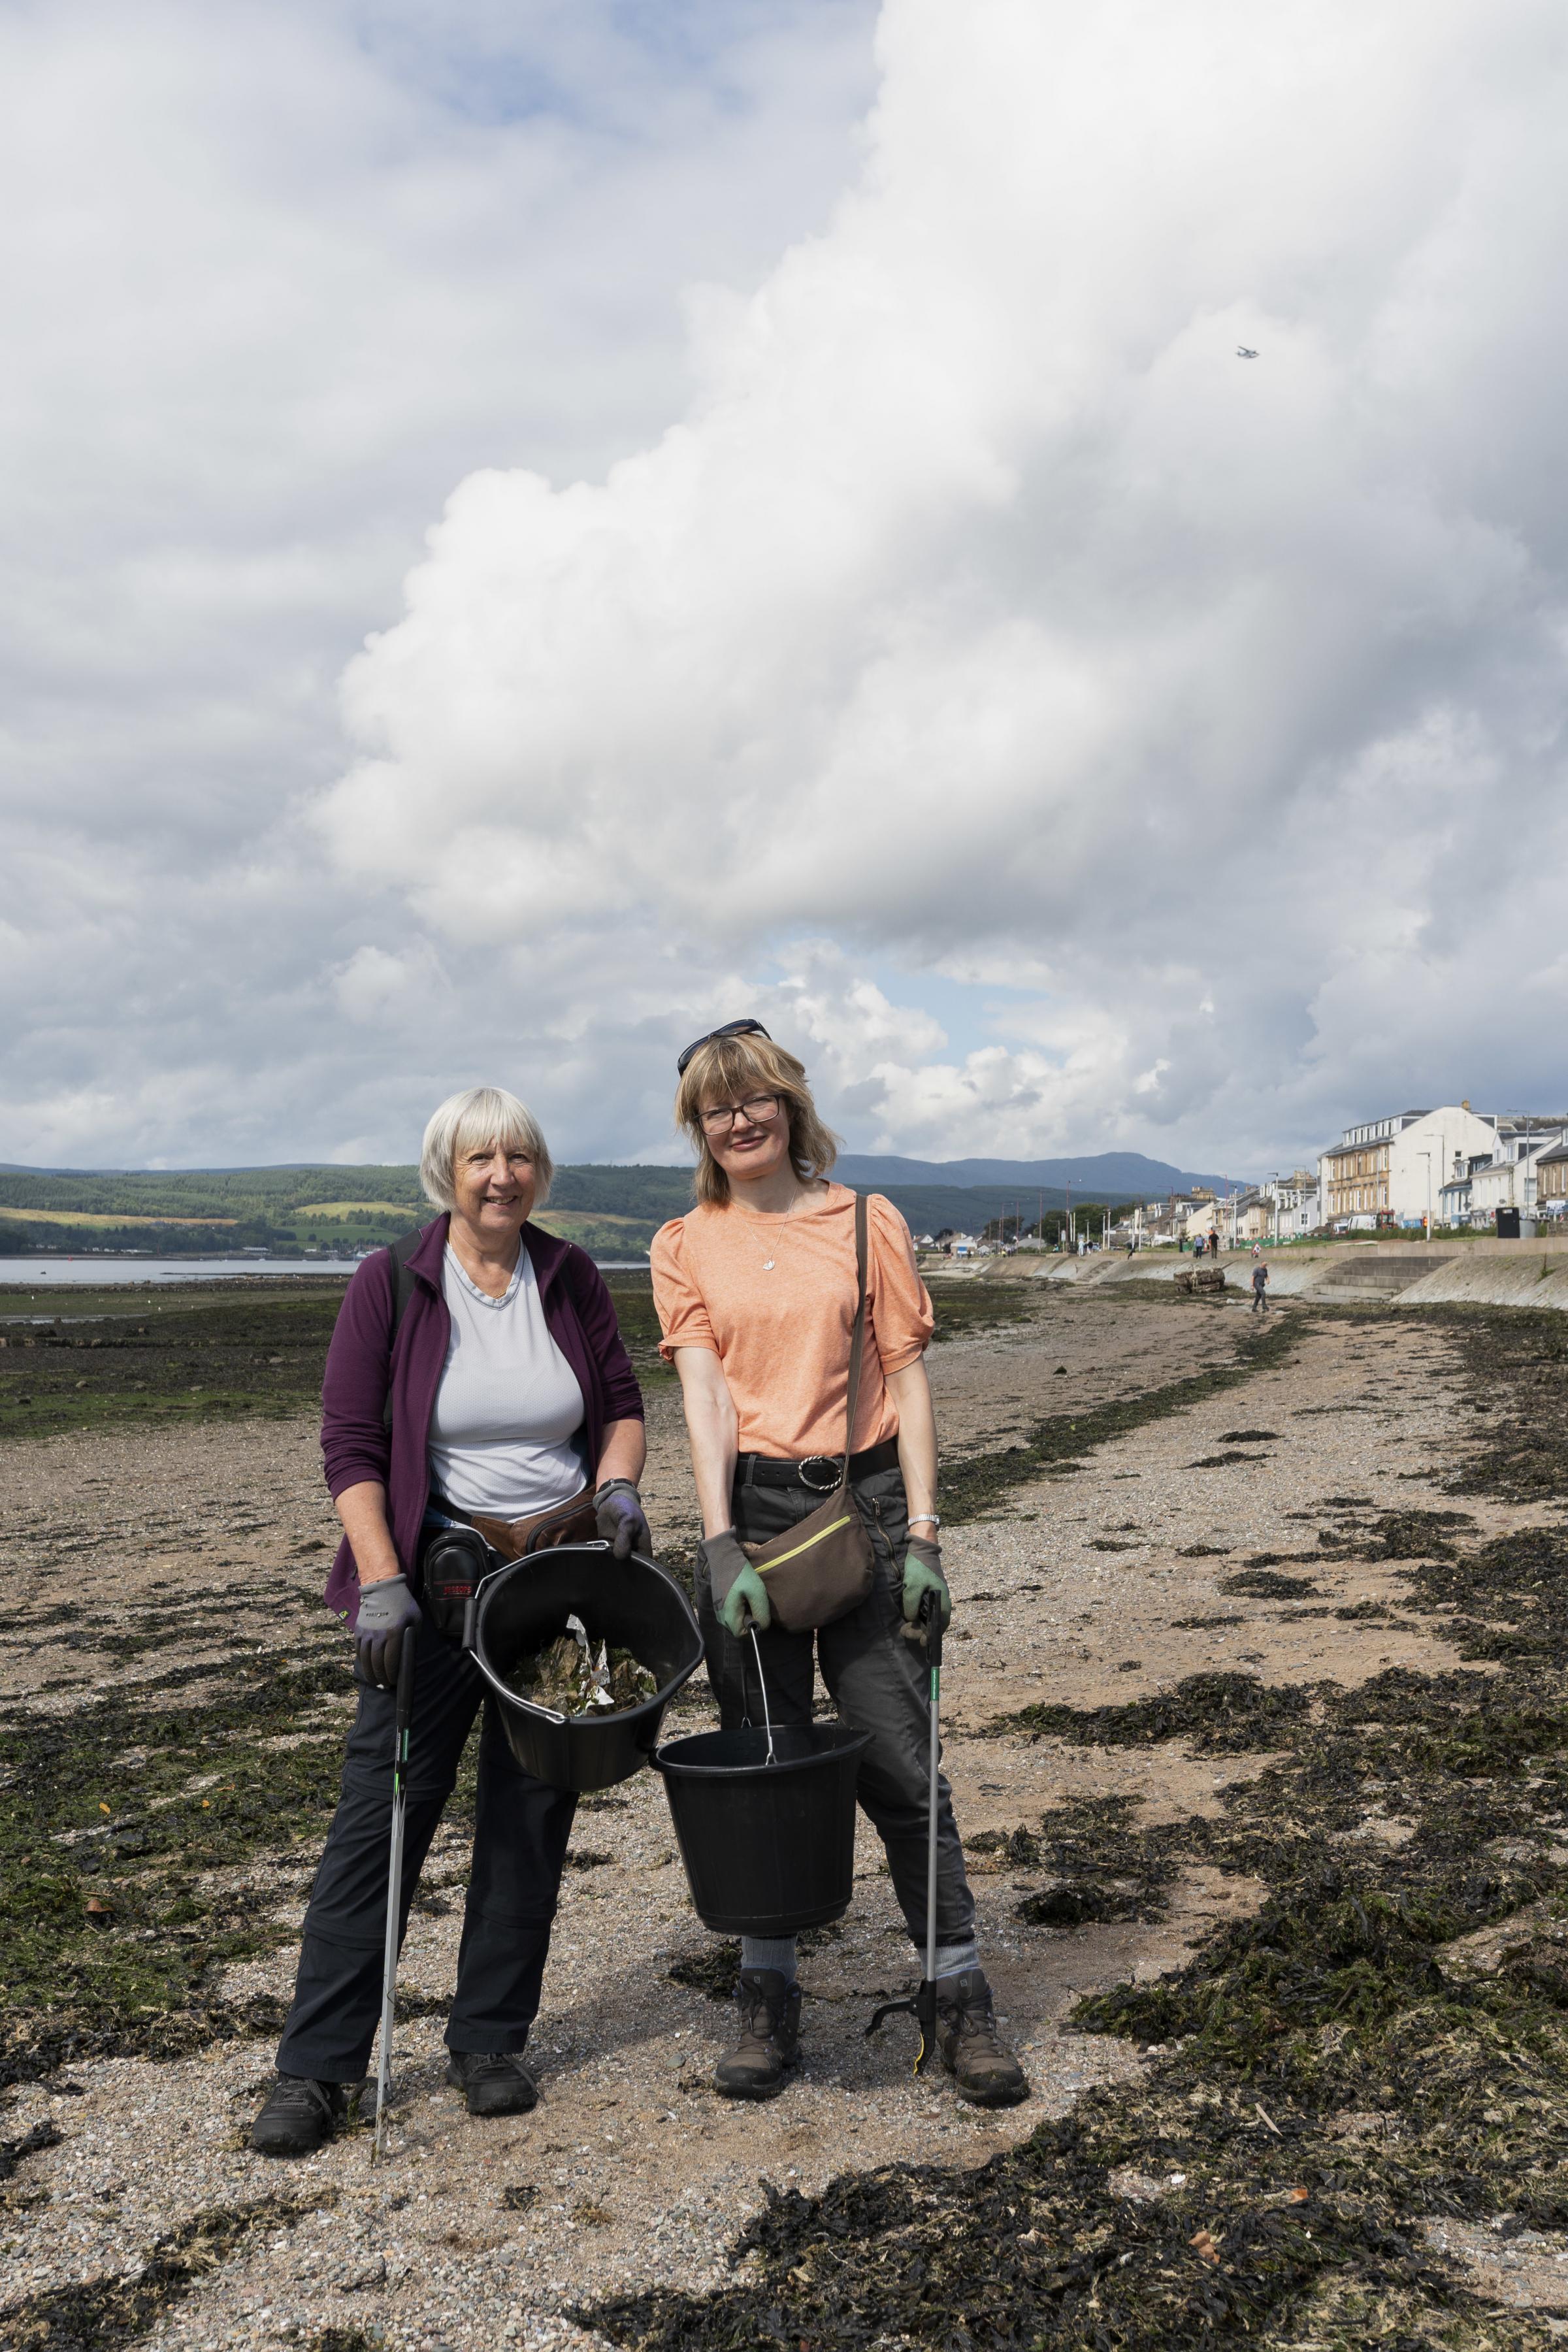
(1110, 1175)
(613, 1211)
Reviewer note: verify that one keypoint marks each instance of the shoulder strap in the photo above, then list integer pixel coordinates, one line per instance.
(857, 1344)
(403, 1286)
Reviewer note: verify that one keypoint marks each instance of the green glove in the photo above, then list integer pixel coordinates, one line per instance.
(740, 1596)
(747, 1604)
(922, 1574)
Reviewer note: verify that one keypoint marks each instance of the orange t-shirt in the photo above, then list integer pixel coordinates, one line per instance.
(773, 1298)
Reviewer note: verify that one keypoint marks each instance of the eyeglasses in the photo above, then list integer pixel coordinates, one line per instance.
(731, 1029)
(757, 1109)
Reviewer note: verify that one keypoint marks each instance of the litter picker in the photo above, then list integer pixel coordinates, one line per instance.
(927, 1628)
(394, 1890)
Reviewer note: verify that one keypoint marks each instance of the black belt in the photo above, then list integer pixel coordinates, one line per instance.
(819, 1473)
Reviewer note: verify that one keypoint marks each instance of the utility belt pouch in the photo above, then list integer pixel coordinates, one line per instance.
(824, 1566)
(453, 1564)
(570, 1522)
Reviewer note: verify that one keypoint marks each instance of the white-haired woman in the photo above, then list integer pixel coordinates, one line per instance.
(476, 1377)
(757, 1292)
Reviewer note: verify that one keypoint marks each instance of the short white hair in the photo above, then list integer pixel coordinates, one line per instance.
(468, 1122)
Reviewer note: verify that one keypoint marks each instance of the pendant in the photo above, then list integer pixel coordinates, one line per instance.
(768, 1265)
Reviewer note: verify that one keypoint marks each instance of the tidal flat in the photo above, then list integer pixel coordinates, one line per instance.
(1258, 1719)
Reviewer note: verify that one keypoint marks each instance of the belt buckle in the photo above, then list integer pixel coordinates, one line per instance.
(814, 1462)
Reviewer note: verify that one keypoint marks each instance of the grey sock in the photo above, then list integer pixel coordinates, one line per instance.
(953, 1959)
(769, 1952)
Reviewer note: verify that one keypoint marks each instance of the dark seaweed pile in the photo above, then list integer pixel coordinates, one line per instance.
(1326, 2076)
(1098, 1864)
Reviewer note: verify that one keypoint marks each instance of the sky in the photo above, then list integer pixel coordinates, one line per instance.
(531, 531)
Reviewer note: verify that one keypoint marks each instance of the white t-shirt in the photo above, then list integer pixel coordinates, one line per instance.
(508, 1404)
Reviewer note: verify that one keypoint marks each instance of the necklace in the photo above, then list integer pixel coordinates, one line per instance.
(769, 1263)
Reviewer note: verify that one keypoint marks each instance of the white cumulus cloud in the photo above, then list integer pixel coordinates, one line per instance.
(985, 611)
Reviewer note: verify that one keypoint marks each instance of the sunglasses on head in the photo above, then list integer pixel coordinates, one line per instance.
(731, 1029)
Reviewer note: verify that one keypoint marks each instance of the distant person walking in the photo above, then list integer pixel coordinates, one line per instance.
(1260, 1289)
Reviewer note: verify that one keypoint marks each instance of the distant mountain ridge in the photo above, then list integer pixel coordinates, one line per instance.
(612, 1210)
(1128, 1175)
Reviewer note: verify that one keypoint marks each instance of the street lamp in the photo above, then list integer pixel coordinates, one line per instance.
(1426, 1156)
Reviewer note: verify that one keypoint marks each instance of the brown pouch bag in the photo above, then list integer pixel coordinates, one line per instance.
(570, 1522)
(823, 1567)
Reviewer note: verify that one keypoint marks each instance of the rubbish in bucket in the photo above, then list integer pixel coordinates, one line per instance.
(768, 1842)
(622, 1604)
(569, 1677)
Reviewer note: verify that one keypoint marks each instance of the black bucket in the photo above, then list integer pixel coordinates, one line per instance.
(768, 1848)
(634, 1605)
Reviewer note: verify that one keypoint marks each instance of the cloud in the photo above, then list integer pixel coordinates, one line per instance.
(862, 585)
(276, 277)
(984, 610)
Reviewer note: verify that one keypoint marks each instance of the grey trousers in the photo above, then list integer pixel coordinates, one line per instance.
(878, 1681)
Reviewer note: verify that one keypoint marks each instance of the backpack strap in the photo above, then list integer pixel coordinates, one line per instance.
(403, 1286)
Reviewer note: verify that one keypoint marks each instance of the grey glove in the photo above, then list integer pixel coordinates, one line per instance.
(386, 1609)
(740, 1596)
(922, 1574)
(620, 1519)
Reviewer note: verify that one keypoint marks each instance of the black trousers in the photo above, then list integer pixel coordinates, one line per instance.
(520, 1850)
(878, 1681)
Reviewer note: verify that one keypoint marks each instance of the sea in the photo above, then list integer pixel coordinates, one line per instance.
(99, 1270)
(15, 1271)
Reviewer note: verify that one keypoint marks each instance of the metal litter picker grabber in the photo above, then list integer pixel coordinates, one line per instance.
(394, 1890)
(928, 1629)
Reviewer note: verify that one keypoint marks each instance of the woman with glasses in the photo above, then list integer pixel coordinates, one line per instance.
(757, 1290)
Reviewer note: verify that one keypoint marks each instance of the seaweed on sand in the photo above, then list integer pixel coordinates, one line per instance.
(976, 1483)
(1216, 1713)
(1267, 1584)
(123, 2306)
(1100, 1866)
(1324, 2080)
(110, 1944)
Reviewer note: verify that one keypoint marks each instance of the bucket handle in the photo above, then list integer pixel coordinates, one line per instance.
(762, 1683)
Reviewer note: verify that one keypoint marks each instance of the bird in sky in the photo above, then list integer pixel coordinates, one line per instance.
(1242, 352)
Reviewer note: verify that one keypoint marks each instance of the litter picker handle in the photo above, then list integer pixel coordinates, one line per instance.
(404, 1692)
(928, 1619)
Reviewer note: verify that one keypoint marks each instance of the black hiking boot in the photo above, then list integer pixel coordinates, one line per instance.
(983, 2070)
(770, 2037)
(496, 2081)
(299, 2116)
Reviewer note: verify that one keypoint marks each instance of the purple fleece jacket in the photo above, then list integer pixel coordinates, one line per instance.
(356, 1446)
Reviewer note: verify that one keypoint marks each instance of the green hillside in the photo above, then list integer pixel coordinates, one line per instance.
(200, 1212)
(204, 1211)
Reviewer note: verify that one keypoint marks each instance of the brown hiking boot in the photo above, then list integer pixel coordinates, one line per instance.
(983, 2070)
(770, 2037)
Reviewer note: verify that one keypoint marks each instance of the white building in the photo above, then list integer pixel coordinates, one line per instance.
(1392, 1171)
(1510, 1180)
